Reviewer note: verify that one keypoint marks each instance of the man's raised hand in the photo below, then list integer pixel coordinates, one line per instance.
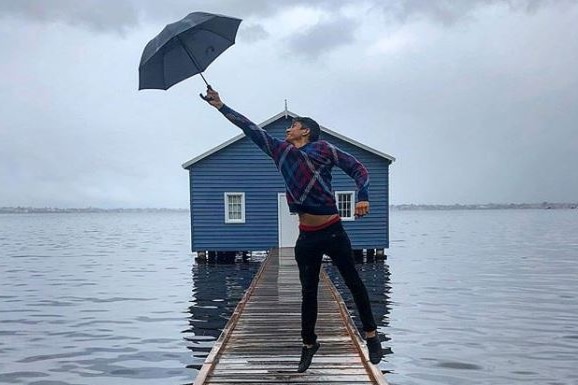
(212, 97)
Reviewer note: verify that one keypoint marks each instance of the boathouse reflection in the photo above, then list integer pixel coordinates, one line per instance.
(218, 288)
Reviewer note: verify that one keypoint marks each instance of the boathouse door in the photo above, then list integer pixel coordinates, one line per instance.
(288, 223)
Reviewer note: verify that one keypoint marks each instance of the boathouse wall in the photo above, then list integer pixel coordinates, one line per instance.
(239, 166)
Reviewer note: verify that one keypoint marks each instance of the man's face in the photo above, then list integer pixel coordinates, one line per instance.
(294, 132)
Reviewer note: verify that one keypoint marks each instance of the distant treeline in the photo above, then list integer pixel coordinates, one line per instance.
(29, 210)
(487, 206)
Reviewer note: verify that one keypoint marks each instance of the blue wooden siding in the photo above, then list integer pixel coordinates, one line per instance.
(243, 167)
(240, 167)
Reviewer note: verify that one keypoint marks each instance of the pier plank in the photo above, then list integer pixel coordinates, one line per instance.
(261, 343)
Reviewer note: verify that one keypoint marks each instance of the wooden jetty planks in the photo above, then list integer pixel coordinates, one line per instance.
(261, 343)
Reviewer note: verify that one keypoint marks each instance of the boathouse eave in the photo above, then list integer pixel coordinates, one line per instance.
(191, 162)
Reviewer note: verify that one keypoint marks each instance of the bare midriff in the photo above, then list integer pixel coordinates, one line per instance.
(315, 220)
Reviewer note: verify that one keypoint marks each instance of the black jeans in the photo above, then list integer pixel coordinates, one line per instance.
(309, 249)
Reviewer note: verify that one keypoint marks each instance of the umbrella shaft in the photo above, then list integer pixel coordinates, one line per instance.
(205, 80)
(192, 59)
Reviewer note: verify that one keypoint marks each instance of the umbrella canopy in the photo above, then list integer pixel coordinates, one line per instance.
(185, 48)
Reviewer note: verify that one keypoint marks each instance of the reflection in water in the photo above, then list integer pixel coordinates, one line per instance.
(219, 287)
(478, 298)
(217, 290)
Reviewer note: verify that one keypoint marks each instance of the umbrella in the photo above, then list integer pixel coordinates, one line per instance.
(185, 48)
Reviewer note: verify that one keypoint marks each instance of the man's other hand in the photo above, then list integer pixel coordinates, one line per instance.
(361, 208)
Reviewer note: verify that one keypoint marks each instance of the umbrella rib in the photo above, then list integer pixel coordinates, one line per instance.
(218, 34)
(182, 43)
(191, 56)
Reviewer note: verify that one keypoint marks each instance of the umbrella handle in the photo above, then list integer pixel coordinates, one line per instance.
(206, 98)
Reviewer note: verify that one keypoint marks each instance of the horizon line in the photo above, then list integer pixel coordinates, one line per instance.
(490, 204)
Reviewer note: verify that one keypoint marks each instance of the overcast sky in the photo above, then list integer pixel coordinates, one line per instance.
(477, 100)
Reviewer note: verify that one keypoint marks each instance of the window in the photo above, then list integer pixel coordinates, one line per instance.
(234, 207)
(346, 204)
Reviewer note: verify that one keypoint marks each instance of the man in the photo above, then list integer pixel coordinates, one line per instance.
(305, 163)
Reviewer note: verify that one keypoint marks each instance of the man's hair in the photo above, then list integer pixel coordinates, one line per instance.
(314, 130)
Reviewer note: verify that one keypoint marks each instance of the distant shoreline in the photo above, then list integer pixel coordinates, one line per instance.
(488, 206)
(56, 210)
(402, 207)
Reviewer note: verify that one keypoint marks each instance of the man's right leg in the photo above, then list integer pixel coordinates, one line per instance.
(308, 257)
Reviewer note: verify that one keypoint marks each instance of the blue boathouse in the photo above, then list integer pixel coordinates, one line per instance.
(237, 196)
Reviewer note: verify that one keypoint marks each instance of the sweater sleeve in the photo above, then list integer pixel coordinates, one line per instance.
(270, 145)
(355, 169)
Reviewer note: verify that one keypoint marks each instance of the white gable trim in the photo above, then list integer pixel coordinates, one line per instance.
(271, 120)
(357, 144)
(212, 151)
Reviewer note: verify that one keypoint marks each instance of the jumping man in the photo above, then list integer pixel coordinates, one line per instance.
(305, 163)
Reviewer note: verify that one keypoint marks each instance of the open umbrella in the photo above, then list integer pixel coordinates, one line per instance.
(185, 48)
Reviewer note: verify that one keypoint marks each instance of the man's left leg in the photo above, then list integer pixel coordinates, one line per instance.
(341, 254)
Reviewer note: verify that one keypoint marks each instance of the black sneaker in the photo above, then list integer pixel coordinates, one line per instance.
(306, 357)
(375, 351)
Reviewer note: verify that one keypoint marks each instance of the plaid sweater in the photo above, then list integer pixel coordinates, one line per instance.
(306, 170)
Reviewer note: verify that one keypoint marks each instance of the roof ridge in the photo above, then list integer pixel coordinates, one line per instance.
(274, 118)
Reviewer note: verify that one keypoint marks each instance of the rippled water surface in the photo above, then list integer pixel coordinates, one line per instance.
(484, 297)
(108, 299)
(465, 297)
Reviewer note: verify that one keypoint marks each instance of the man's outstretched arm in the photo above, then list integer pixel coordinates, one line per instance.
(270, 145)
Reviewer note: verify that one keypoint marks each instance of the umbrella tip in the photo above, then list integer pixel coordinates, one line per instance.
(286, 111)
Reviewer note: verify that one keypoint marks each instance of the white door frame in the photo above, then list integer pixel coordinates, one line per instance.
(287, 223)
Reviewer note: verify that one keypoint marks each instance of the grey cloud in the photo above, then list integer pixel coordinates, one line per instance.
(450, 12)
(253, 32)
(95, 15)
(323, 37)
(122, 15)
(492, 108)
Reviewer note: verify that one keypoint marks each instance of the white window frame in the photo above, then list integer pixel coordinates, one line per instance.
(228, 219)
(352, 198)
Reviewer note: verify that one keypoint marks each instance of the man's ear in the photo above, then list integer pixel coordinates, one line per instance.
(306, 132)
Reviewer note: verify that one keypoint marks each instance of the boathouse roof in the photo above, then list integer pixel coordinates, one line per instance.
(282, 114)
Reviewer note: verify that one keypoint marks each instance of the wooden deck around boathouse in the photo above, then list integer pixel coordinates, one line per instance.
(261, 343)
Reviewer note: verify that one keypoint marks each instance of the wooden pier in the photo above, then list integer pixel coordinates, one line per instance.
(261, 343)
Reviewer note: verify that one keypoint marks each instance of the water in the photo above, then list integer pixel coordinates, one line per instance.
(484, 297)
(465, 297)
(108, 299)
